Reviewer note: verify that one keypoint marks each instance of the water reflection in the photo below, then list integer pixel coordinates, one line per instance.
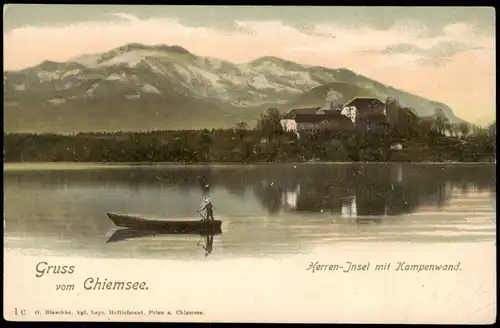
(268, 208)
(370, 190)
(348, 190)
(128, 234)
(209, 243)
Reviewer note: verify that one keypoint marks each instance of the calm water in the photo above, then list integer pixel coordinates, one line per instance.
(268, 210)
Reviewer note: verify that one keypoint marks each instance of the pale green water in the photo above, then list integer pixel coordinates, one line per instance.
(267, 210)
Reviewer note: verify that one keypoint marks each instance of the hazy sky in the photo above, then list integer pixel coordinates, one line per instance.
(445, 54)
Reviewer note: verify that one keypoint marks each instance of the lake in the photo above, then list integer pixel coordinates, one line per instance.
(267, 210)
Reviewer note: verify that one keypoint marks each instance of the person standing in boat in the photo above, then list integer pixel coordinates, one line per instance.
(208, 207)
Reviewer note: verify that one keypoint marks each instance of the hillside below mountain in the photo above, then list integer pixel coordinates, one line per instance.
(138, 88)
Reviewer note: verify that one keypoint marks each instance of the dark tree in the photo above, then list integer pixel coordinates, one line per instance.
(440, 121)
(242, 127)
(269, 123)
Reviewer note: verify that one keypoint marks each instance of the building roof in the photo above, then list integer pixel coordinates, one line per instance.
(362, 102)
(300, 111)
(330, 111)
(318, 118)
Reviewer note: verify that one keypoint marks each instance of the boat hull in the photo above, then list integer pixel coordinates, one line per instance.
(185, 226)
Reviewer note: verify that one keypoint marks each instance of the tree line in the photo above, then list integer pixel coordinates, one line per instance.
(266, 142)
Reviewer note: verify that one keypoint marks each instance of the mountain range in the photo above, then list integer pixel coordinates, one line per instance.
(137, 87)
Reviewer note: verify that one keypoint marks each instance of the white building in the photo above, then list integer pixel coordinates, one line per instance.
(288, 122)
(365, 104)
(351, 112)
(367, 111)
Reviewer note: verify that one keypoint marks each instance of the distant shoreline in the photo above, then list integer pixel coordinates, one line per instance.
(87, 165)
(253, 147)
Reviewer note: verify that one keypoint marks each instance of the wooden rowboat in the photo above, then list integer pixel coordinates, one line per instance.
(166, 226)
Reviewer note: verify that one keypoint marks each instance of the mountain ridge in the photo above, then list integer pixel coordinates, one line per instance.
(161, 84)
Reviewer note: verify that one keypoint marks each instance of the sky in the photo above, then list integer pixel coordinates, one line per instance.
(445, 54)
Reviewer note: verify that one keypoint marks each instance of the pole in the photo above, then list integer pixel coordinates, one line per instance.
(200, 234)
(201, 215)
(199, 241)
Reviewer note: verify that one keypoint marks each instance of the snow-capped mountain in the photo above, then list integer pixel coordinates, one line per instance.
(139, 87)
